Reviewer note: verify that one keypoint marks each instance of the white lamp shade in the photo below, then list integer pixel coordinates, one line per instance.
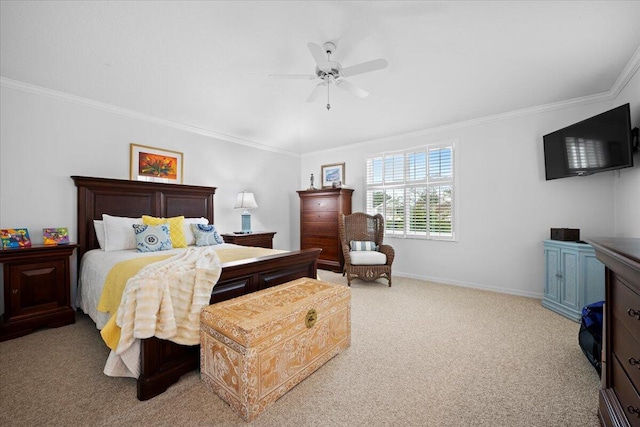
(246, 200)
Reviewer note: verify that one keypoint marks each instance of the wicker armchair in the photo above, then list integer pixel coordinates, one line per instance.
(365, 265)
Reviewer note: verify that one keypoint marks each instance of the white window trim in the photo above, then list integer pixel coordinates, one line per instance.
(453, 143)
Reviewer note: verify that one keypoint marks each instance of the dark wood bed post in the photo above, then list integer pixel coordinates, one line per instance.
(162, 363)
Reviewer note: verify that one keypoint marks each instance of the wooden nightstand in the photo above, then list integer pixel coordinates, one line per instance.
(261, 239)
(36, 289)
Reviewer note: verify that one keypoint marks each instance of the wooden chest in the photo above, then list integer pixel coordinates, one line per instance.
(256, 347)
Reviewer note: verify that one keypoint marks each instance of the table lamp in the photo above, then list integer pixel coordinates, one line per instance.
(246, 201)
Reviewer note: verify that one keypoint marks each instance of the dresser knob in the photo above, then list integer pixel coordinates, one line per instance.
(634, 362)
(633, 410)
(633, 313)
(15, 291)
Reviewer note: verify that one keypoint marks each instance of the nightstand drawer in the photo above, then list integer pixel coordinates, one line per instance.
(259, 239)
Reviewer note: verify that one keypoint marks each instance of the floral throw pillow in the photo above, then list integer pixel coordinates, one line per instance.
(152, 238)
(206, 235)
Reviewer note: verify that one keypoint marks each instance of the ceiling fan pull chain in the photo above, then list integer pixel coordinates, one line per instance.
(328, 104)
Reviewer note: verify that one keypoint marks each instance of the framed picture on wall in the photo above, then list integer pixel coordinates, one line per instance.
(332, 175)
(155, 164)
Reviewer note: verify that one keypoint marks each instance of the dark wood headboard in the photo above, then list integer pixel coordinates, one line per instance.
(117, 197)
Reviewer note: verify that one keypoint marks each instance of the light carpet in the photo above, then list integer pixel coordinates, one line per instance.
(422, 354)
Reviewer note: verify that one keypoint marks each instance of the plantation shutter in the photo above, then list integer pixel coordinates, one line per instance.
(413, 190)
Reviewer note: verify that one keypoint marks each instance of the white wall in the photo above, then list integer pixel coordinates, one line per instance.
(44, 140)
(627, 189)
(504, 211)
(505, 207)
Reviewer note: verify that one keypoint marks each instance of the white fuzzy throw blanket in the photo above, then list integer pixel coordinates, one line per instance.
(165, 298)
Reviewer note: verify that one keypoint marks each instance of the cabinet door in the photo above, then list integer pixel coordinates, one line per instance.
(553, 275)
(570, 279)
(593, 278)
(37, 287)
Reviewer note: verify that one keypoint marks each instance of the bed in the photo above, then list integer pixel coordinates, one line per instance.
(163, 362)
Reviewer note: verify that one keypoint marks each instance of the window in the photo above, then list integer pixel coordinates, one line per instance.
(414, 191)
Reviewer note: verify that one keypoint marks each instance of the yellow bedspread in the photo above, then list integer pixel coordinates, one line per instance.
(118, 276)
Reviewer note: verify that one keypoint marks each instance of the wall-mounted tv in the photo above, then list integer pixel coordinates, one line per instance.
(597, 144)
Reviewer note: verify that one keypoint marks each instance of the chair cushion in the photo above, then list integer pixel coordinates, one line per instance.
(367, 258)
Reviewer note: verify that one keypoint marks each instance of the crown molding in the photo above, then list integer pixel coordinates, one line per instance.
(62, 96)
(605, 96)
(629, 71)
(625, 76)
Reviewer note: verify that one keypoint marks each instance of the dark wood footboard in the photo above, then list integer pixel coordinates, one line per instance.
(164, 362)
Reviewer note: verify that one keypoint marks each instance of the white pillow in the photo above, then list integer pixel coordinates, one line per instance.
(118, 232)
(186, 227)
(98, 225)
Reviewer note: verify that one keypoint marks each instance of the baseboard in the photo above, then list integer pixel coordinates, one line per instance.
(536, 295)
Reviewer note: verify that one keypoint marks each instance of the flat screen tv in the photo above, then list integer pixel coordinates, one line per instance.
(597, 144)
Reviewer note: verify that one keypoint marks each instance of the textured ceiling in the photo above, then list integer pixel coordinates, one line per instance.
(205, 65)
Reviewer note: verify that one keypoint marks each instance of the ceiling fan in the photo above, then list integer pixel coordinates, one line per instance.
(332, 73)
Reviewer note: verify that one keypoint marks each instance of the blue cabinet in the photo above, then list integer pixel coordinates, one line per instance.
(573, 278)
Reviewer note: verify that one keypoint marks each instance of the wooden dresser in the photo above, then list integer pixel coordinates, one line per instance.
(319, 211)
(620, 394)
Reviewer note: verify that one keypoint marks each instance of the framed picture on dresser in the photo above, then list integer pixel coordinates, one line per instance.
(332, 175)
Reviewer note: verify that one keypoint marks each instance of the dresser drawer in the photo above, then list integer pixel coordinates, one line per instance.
(627, 350)
(320, 216)
(320, 204)
(627, 394)
(330, 246)
(626, 307)
(320, 229)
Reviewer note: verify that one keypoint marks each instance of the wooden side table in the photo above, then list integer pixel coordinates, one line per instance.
(261, 239)
(36, 289)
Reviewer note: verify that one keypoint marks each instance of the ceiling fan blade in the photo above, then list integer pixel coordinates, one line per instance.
(293, 76)
(365, 67)
(316, 92)
(351, 88)
(320, 56)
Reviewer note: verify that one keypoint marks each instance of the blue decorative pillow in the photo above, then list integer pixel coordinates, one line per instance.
(363, 246)
(206, 235)
(152, 238)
